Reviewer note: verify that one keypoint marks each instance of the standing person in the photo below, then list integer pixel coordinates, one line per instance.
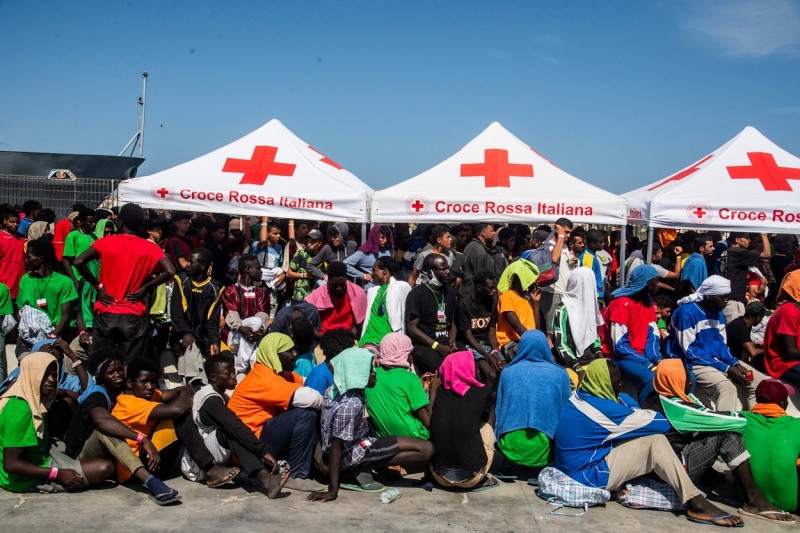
(503, 250)
(477, 256)
(516, 314)
(430, 310)
(12, 251)
(269, 252)
(245, 308)
(298, 266)
(217, 245)
(595, 240)
(77, 242)
(31, 211)
(179, 244)
(195, 313)
(44, 290)
(476, 325)
(341, 303)
(126, 264)
(386, 303)
(559, 255)
(698, 337)
(380, 243)
(337, 249)
(441, 242)
(6, 310)
(695, 268)
(104, 228)
(734, 263)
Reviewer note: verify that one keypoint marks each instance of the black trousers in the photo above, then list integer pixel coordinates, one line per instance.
(188, 437)
(125, 332)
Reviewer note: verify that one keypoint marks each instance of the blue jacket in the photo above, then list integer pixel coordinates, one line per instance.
(589, 428)
(699, 338)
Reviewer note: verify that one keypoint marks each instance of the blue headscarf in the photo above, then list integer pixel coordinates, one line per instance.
(640, 276)
(533, 389)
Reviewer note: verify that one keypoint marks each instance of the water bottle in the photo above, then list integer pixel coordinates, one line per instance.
(390, 495)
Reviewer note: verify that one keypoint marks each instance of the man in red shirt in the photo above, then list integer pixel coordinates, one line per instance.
(126, 264)
(341, 304)
(781, 342)
(12, 251)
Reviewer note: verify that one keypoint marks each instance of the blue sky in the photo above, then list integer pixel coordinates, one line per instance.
(617, 93)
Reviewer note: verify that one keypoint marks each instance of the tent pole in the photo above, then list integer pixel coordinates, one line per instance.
(622, 238)
(649, 258)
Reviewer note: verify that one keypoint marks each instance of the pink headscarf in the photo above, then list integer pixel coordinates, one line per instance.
(395, 348)
(458, 372)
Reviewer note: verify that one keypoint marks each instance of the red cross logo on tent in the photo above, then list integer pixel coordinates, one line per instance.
(496, 169)
(325, 159)
(700, 213)
(162, 194)
(417, 206)
(764, 168)
(683, 173)
(259, 166)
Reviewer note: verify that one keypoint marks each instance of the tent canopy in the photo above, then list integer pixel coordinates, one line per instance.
(269, 172)
(499, 178)
(748, 184)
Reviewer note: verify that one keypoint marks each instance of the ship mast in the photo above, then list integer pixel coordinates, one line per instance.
(138, 137)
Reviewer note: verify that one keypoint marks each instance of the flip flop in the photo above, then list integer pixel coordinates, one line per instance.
(229, 475)
(487, 487)
(763, 516)
(368, 487)
(166, 498)
(506, 475)
(713, 521)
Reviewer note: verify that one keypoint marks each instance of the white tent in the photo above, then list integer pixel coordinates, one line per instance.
(269, 172)
(496, 177)
(745, 185)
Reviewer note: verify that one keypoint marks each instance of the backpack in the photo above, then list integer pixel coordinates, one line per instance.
(543, 259)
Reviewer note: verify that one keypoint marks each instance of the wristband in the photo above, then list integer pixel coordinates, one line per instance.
(98, 286)
(53, 473)
(76, 363)
(562, 236)
(139, 438)
(52, 336)
(81, 333)
(434, 345)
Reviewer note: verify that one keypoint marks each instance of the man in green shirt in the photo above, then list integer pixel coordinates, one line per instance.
(43, 289)
(5, 309)
(77, 242)
(298, 267)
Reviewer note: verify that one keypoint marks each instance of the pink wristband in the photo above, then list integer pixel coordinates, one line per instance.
(53, 473)
(139, 438)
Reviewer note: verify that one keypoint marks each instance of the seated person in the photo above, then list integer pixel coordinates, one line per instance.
(28, 460)
(532, 392)
(632, 329)
(224, 434)
(781, 338)
(163, 416)
(303, 337)
(515, 313)
(697, 338)
(284, 317)
(476, 325)
(272, 401)
(738, 330)
(95, 434)
(386, 303)
(461, 425)
(341, 303)
(345, 430)
(699, 435)
(245, 308)
(773, 439)
(430, 310)
(576, 323)
(332, 343)
(397, 403)
(601, 442)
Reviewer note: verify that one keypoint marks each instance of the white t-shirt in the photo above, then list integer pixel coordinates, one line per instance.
(560, 286)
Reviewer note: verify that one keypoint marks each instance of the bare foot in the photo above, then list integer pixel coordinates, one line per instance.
(772, 512)
(702, 509)
(273, 483)
(219, 475)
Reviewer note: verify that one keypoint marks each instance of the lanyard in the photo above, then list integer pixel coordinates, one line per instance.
(44, 291)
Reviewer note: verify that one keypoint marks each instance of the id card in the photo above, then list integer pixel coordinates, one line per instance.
(41, 302)
(440, 315)
(250, 295)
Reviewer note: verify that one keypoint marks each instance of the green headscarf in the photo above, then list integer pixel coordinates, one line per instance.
(526, 271)
(351, 370)
(100, 229)
(597, 380)
(270, 347)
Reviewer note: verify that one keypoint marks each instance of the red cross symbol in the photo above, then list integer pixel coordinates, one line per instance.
(417, 206)
(162, 192)
(766, 170)
(683, 173)
(326, 159)
(259, 167)
(496, 169)
(699, 212)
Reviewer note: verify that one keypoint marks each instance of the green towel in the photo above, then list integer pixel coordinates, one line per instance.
(351, 370)
(597, 380)
(526, 271)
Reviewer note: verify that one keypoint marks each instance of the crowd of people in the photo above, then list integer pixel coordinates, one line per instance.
(283, 354)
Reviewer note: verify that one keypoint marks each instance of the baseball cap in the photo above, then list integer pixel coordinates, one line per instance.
(773, 391)
(315, 234)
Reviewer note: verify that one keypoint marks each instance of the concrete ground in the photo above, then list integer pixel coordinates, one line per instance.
(510, 507)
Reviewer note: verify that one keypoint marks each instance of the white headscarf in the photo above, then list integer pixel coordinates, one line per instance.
(580, 299)
(713, 285)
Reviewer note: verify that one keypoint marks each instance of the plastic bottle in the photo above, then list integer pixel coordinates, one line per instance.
(390, 495)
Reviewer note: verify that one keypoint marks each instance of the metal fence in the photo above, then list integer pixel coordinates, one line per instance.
(58, 194)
